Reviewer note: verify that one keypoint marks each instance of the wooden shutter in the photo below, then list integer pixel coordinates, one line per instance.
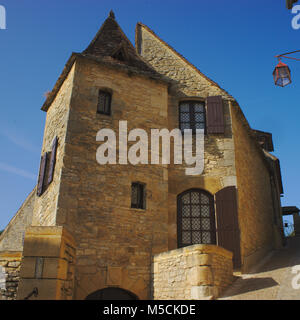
(215, 115)
(228, 232)
(52, 160)
(42, 174)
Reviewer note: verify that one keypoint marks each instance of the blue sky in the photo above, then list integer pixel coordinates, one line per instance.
(233, 42)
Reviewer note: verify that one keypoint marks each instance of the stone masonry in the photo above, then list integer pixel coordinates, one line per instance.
(10, 263)
(82, 233)
(196, 272)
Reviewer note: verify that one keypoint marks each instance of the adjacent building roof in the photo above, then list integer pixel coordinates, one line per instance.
(289, 210)
(264, 139)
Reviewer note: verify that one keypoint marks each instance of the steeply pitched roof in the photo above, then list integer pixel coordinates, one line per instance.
(106, 47)
(112, 45)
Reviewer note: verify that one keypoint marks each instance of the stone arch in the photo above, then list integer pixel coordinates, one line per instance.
(112, 293)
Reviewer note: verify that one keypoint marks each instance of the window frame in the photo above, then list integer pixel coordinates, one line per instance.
(141, 195)
(212, 230)
(108, 95)
(192, 122)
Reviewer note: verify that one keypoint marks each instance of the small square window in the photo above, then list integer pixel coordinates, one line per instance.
(138, 199)
(192, 116)
(104, 102)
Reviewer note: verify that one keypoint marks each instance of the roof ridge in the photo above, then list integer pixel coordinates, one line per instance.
(180, 56)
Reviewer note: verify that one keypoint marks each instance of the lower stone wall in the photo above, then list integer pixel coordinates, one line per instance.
(48, 264)
(192, 273)
(9, 274)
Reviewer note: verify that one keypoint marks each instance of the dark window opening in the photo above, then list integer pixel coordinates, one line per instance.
(192, 116)
(120, 55)
(138, 195)
(104, 102)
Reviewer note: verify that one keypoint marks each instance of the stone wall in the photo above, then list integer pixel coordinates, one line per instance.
(94, 201)
(190, 84)
(48, 264)
(255, 207)
(9, 274)
(196, 272)
(12, 237)
(56, 126)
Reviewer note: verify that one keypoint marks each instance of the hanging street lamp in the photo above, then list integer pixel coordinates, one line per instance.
(282, 73)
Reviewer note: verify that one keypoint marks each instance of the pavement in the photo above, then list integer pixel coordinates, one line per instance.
(276, 278)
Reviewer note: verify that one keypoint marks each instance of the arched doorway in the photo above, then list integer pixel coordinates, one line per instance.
(195, 218)
(112, 293)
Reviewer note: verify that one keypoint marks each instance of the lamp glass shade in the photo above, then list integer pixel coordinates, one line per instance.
(282, 75)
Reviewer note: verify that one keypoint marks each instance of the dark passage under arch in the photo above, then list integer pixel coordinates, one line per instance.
(112, 294)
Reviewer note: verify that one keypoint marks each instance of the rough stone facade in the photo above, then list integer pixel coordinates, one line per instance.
(13, 236)
(231, 159)
(190, 84)
(45, 208)
(253, 177)
(192, 273)
(109, 233)
(87, 206)
(10, 263)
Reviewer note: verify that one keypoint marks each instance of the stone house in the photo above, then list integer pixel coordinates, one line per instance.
(141, 231)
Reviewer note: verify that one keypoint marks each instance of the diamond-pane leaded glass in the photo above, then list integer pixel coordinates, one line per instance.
(199, 125)
(196, 211)
(186, 237)
(195, 197)
(192, 115)
(186, 198)
(196, 218)
(196, 225)
(204, 199)
(198, 107)
(206, 237)
(199, 117)
(196, 237)
(186, 224)
(184, 117)
(186, 211)
(205, 211)
(205, 223)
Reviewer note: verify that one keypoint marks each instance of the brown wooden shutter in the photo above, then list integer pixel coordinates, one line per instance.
(228, 231)
(215, 115)
(42, 174)
(52, 160)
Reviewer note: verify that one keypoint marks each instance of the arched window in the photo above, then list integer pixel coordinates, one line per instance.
(196, 218)
(192, 115)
